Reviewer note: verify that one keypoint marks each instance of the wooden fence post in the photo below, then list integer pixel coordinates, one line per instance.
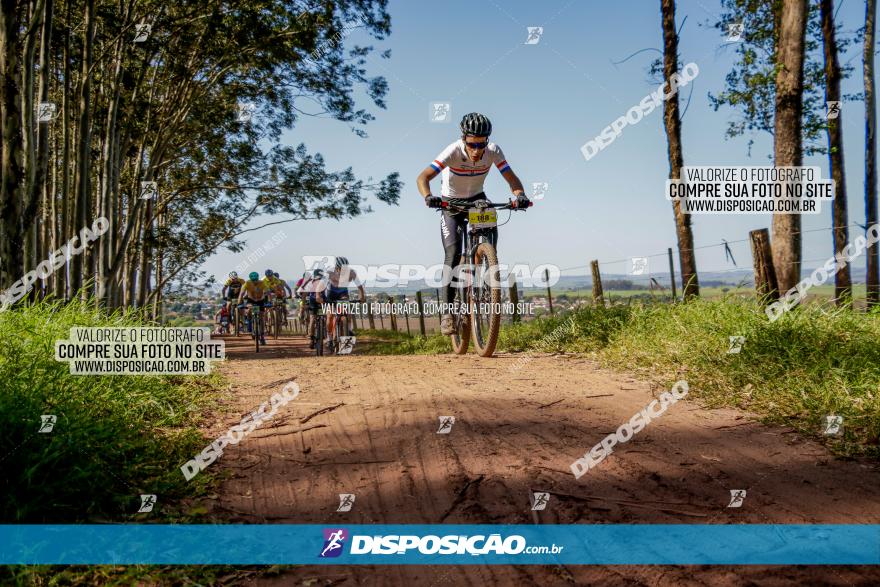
(370, 319)
(549, 297)
(514, 299)
(421, 305)
(765, 274)
(598, 295)
(672, 274)
(405, 314)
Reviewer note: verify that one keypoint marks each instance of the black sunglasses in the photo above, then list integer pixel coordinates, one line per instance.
(478, 145)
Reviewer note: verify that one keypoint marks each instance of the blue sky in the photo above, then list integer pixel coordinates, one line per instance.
(545, 101)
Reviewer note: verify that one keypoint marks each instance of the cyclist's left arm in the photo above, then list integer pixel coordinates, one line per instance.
(514, 182)
(353, 279)
(507, 173)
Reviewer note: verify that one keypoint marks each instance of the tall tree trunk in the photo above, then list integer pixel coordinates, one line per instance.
(82, 266)
(787, 148)
(689, 282)
(109, 191)
(839, 215)
(146, 246)
(873, 259)
(31, 193)
(56, 281)
(11, 169)
(158, 262)
(39, 181)
(67, 210)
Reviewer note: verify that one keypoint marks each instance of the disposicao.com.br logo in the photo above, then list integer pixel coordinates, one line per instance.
(334, 538)
(431, 544)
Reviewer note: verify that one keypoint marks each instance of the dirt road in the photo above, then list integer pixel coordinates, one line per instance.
(516, 431)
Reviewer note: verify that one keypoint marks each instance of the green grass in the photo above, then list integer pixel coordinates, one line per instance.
(820, 293)
(115, 437)
(389, 342)
(813, 362)
(126, 575)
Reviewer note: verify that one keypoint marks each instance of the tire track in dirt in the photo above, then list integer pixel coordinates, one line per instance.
(517, 431)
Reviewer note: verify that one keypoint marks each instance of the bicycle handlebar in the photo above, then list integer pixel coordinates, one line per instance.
(454, 203)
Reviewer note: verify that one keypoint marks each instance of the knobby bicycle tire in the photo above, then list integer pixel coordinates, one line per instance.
(486, 296)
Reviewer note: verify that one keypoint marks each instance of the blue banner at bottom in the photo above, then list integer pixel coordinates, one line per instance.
(444, 544)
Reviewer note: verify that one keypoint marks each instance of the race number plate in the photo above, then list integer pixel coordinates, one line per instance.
(482, 218)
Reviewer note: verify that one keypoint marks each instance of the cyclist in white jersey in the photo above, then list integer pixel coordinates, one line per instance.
(464, 165)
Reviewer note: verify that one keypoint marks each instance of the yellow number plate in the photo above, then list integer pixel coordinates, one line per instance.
(482, 218)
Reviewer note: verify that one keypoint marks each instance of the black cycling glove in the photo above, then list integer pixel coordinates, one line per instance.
(433, 201)
(522, 201)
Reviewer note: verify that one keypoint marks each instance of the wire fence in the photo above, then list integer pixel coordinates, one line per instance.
(632, 278)
(639, 273)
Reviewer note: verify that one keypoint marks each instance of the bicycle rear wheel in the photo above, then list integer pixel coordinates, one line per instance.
(486, 310)
(341, 330)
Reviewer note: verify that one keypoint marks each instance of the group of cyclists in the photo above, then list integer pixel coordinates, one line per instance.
(253, 291)
(463, 165)
(316, 287)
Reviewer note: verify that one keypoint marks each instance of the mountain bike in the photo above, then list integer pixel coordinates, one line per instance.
(258, 325)
(341, 342)
(320, 330)
(303, 317)
(279, 316)
(478, 298)
(235, 315)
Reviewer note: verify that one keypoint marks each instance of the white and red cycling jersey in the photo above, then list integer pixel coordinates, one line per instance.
(463, 178)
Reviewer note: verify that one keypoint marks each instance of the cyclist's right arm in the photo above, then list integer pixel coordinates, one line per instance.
(435, 168)
(424, 180)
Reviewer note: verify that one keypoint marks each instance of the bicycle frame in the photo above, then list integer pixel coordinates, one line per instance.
(473, 237)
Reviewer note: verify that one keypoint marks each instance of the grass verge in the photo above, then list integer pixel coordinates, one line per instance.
(116, 436)
(813, 362)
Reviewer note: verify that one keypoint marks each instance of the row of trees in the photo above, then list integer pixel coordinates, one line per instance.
(101, 101)
(788, 53)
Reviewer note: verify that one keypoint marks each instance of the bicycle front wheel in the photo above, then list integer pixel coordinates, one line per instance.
(462, 335)
(320, 327)
(257, 327)
(486, 309)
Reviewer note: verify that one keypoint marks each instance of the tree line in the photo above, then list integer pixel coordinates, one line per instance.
(166, 118)
(787, 68)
